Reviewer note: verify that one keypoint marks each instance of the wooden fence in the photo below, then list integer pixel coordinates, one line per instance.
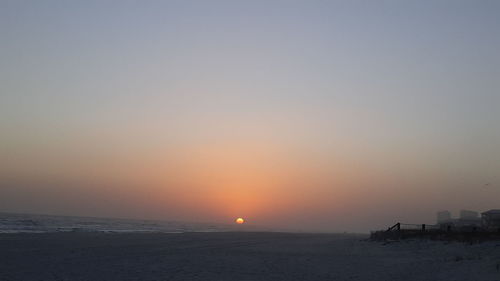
(435, 232)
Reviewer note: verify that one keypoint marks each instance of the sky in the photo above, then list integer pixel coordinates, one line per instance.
(305, 115)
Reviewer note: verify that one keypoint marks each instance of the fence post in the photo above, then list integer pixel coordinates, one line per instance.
(423, 227)
(398, 226)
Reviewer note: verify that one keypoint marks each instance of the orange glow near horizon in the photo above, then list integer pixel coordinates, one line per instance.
(240, 221)
(231, 178)
(211, 181)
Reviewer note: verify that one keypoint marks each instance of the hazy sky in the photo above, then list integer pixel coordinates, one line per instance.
(314, 115)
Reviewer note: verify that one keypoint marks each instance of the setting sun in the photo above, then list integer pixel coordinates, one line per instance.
(240, 220)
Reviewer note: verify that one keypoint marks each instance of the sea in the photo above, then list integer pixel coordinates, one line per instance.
(34, 223)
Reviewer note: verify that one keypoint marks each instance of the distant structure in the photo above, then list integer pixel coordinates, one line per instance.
(443, 217)
(491, 220)
(467, 220)
(468, 215)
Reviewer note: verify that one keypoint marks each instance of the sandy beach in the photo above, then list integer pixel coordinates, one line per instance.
(239, 256)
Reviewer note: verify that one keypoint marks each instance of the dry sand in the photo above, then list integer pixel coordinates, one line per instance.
(239, 256)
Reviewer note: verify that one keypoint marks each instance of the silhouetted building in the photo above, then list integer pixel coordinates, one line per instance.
(469, 215)
(468, 220)
(491, 220)
(443, 217)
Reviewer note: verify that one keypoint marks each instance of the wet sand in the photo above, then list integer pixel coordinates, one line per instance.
(238, 256)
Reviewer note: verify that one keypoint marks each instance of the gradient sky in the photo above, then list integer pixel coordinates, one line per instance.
(311, 115)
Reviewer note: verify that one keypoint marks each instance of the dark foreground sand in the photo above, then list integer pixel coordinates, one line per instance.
(238, 256)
